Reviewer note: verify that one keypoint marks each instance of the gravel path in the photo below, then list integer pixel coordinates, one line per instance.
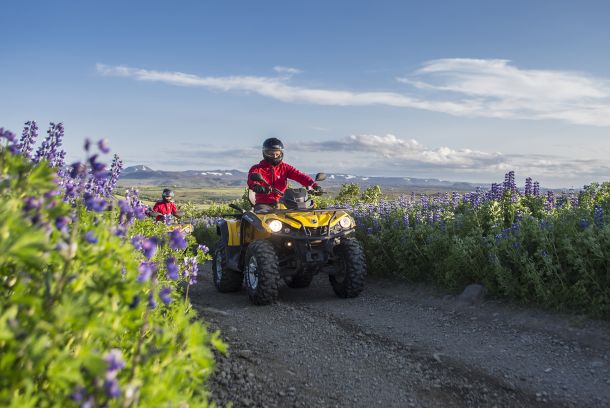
(400, 345)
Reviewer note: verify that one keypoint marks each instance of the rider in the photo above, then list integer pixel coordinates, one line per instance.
(276, 173)
(165, 206)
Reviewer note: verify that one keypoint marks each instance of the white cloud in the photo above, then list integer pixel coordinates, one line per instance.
(365, 152)
(459, 87)
(286, 70)
(400, 150)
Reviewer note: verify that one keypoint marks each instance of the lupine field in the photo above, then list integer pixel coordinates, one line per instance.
(94, 304)
(94, 308)
(545, 248)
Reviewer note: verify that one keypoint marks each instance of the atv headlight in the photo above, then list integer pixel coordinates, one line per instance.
(345, 222)
(275, 225)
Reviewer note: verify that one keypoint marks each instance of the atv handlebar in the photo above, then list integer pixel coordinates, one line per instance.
(258, 177)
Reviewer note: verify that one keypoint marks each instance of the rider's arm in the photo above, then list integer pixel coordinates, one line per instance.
(299, 177)
(252, 183)
(175, 211)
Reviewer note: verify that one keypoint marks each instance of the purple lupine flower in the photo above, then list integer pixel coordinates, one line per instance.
(172, 268)
(102, 144)
(7, 134)
(436, 216)
(149, 247)
(598, 216)
(87, 144)
(135, 301)
(94, 203)
(536, 189)
(89, 403)
(79, 393)
(152, 303)
(584, 223)
(78, 169)
(90, 237)
(203, 248)
(405, 220)
(114, 360)
(455, 199)
(111, 386)
(146, 270)
(49, 149)
(528, 186)
(550, 201)
(119, 230)
(136, 241)
(177, 240)
(96, 167)
(61, 223)
(115, 172)
(509, 181)
(418, 217)
(31, 203)
(164, 295)
(496, 191)
(190, 269)
(115, 363)
(28, 138)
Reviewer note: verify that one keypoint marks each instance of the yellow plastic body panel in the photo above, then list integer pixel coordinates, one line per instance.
(234, 231)
(309, 219)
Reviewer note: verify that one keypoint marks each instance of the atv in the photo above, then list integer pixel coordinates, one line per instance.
(292, 242)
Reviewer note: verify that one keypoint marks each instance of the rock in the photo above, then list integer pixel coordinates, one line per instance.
(473, 293)
(597, 364)
(437, 357)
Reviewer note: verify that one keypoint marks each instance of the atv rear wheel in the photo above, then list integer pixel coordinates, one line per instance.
(225, 280)
(350, 269)
(262, 272)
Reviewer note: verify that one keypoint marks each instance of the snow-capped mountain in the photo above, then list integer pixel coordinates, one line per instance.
(142, 175)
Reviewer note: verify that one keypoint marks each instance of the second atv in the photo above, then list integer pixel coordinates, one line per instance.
(293, 242)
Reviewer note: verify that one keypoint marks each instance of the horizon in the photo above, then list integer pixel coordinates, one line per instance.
(390, 89)
(362, 176)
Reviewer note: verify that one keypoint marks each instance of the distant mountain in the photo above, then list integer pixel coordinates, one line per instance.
(145, 176)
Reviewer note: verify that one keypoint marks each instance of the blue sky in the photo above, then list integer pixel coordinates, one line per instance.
(454, 90)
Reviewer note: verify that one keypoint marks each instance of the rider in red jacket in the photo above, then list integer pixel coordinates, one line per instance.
(276, 173)
(165, 207)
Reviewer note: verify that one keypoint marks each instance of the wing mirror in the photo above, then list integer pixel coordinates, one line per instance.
(320, 176)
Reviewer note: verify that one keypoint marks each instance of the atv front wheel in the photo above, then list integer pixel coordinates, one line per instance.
(225, 280)
(350, 269)
(262, 272)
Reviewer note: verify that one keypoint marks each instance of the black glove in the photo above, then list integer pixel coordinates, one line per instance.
(260, 189)
(317, 189)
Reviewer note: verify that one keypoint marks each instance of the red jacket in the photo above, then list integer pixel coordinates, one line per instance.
(164, 208)
(276, 176)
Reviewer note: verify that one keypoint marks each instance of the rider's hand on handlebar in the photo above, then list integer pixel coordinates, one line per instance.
(261, 189)
(317, 189)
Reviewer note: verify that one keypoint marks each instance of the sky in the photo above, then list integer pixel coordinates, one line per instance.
(461, 91)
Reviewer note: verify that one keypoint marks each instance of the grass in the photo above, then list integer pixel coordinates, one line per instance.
(196, 195)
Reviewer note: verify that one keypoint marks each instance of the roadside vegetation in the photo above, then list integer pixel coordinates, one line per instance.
(94, 308)
(545, 248)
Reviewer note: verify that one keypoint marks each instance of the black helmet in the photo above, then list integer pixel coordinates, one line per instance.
(270, 145)
(167, 193)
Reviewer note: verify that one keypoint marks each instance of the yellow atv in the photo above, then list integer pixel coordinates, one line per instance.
(293, 242)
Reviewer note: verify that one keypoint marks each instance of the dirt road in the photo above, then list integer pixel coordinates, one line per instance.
(400, 345)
